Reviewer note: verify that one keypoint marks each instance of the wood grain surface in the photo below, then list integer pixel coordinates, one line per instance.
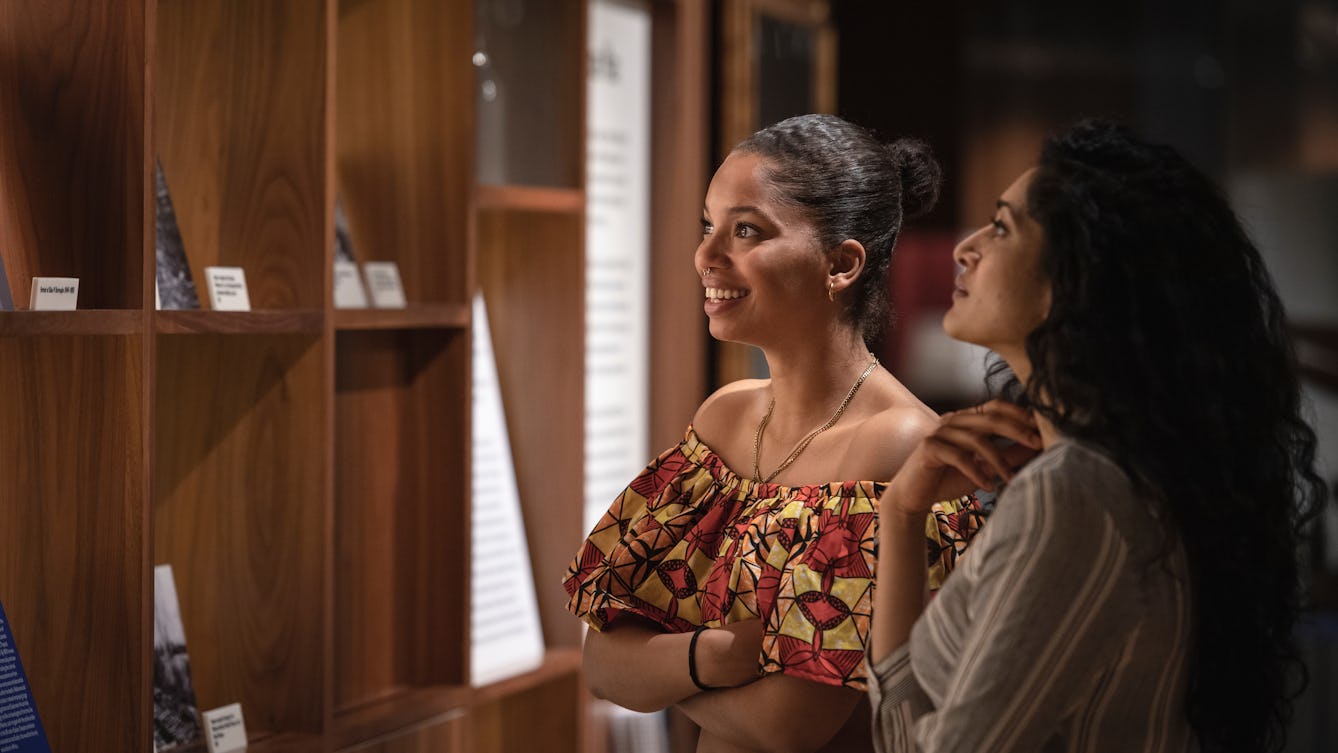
(680, 118)
(240, 121)
(240, 514)
(73, 565)
(294, 321)
(99, 322)
(531, 269)
(414, 316)
(304, 471)
(404, 146)
(446, 734)
(401, 711)
(72, 142)
(401, 512)
(550, 712)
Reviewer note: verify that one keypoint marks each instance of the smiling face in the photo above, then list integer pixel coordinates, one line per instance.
(767, 271)
(1001, 294)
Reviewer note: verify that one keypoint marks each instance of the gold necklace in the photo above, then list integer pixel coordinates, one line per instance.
(803, 443)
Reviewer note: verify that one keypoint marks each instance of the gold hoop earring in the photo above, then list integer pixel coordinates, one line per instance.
(831, 291)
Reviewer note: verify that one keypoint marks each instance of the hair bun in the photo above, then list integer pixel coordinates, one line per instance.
(920, 176)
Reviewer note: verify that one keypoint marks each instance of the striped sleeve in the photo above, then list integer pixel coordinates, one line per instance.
(897, 700)
(1043, 612)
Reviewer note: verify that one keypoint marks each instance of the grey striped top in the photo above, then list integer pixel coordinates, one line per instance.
(1060, 630)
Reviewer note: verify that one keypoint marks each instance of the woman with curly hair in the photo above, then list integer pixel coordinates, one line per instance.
(1136, 586)
(733, 578)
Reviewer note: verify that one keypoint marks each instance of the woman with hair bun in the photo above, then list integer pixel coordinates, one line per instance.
(1136, 587)
(734, 576)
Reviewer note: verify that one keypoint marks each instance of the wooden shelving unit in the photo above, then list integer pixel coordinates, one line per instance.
(403, 161)
(417, 316)
(297, 321)
(305, 470)
(527, 198)
(105, 322)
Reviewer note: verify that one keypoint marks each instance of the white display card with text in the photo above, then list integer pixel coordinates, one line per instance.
(617, 251)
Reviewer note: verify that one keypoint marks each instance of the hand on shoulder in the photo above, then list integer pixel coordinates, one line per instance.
(961, 454)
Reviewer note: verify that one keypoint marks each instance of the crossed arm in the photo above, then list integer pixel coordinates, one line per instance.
(634, 665)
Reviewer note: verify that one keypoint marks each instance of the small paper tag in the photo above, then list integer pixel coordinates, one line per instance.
(54, 294)
(227, 289)
(383, 280)
(348, 292)
(224, 729)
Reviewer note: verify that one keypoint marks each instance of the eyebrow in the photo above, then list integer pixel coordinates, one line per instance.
(740, 210)
(1001, 204)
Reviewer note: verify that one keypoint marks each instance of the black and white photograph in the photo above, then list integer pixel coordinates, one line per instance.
(343, 243)
(176, 287)
(175, 714)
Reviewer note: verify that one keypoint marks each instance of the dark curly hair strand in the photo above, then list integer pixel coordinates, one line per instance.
(1166, 344)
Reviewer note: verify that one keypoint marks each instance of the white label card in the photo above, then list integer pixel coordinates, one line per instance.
(54, 294)
(348, 292)
(383, 281)
(505, 635)
(617, 250)
(224, 729)
(227, 289)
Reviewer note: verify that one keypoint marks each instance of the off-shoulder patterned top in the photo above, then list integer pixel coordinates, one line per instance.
(690, 542)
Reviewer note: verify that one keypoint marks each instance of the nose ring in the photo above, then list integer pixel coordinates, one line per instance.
(706, 272)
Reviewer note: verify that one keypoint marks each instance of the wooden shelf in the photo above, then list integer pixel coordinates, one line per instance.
(406, 707)
(287, 743)
(245, 156)
(305, 470)
(269, 743)
(400, 474)
(416, 316)
(560, 662)
(86, 322)
(297, 322)
(546, 704)
(532, 199)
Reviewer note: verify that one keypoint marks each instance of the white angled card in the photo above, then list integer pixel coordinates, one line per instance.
(504, 631)
(383, 282)
(227, 288)
(54, 294)
(348, 292)
(617, 249)
(224, 729)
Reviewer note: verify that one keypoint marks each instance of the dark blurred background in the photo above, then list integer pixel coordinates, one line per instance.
(1247, 89)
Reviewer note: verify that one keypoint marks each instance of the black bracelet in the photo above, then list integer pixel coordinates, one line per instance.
(692, 660)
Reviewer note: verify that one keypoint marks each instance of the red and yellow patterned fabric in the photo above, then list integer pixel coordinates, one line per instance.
(690, 543)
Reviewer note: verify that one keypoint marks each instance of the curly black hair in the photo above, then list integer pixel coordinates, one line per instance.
(852, 186)
(1166, 345)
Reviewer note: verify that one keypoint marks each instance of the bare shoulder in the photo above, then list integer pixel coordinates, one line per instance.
(886, 438)
(720, 415)
(903, 426)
